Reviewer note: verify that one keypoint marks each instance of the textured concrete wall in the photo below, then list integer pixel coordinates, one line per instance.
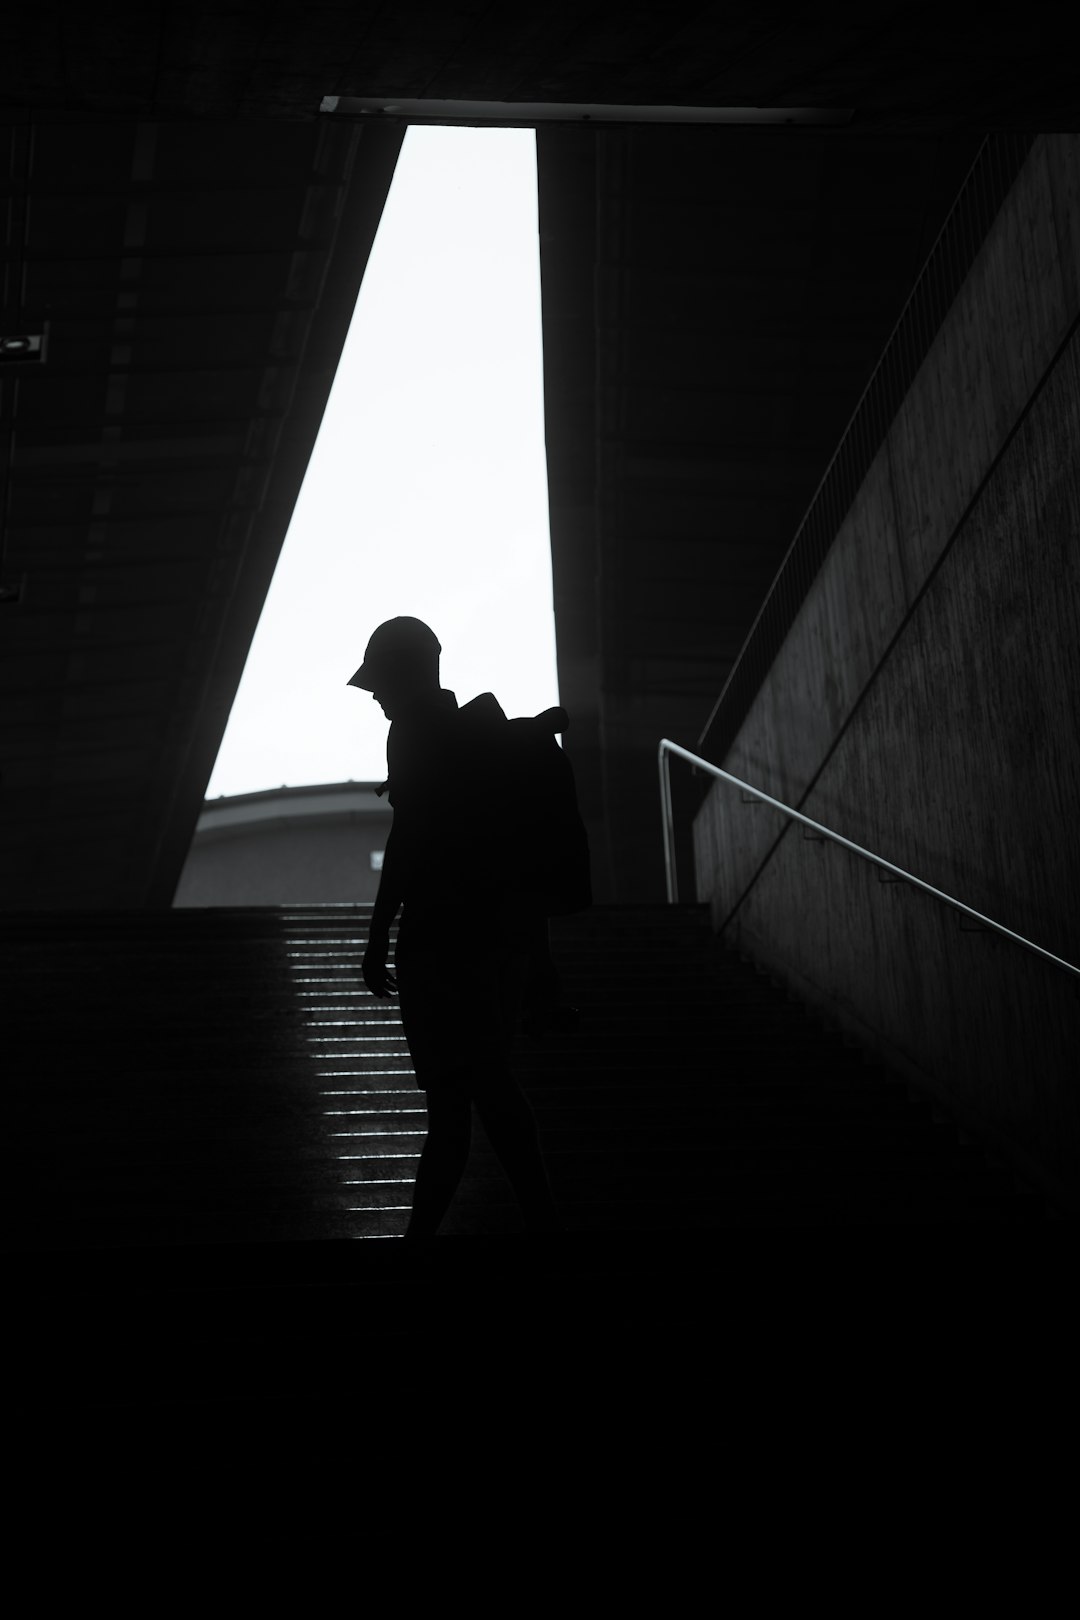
(713, 305)
(924, 704)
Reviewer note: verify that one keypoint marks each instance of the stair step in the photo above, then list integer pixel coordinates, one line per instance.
(693, 1091)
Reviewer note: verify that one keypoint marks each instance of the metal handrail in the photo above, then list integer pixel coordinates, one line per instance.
(668, 747)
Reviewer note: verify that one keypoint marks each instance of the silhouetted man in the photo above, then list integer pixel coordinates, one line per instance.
(463, 940)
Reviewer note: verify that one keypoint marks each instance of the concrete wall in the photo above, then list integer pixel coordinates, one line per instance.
(924, 705)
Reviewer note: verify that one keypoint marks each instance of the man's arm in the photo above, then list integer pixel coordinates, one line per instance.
(379, 980)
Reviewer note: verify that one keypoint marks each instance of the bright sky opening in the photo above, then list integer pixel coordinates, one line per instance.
(426, 492)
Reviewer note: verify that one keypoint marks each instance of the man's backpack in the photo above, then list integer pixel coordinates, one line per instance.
(535, 841)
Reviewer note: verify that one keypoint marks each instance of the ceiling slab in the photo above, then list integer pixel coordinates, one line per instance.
(894, 64)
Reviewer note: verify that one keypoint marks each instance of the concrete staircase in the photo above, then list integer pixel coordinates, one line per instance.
(211, 1110)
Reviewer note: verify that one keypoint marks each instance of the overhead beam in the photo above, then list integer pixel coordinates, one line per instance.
(525, 114)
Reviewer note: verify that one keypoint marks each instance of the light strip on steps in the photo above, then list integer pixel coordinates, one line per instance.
(332, 1040)
(383, 1113)
(358, 1055)
(343, 1157)
(342, 1134)
(373, 1091)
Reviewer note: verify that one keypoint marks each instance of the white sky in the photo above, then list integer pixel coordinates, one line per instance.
(427, 488)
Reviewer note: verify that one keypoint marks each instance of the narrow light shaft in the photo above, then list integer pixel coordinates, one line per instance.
(426, 492)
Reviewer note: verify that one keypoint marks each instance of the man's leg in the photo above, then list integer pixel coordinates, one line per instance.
(508, 1120)
(442, 1163)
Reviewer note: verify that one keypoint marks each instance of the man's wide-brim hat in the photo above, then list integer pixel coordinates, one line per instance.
(401, 643)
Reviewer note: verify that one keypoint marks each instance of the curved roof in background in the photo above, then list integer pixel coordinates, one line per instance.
(290, 807)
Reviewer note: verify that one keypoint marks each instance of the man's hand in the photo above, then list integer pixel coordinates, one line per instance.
(377, 976)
